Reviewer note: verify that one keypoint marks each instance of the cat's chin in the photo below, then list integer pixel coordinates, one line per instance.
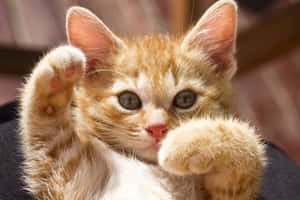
(149, 153)
(153, 147)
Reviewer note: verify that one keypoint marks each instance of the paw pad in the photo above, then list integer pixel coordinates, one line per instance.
(49, 110)
(69, 72)
(55, 82)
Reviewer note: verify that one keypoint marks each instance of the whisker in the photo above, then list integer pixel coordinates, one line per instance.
(107, 126)
(102, 120)
(113, 126)
(176, 114)
(108, 70)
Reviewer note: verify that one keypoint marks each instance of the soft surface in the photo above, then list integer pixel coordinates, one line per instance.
(281, 180)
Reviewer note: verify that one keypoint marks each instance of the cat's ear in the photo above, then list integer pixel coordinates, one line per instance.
(87, 32)
(215, 34)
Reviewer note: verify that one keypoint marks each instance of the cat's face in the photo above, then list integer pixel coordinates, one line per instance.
(136, 91)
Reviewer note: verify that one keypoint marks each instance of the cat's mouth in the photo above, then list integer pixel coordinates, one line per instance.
(153, 147)
(149, 152)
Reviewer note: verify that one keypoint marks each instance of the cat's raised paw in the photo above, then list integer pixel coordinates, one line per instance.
(184, 165)
(60, 70)
(179, 156)
(54, 78)
(67, 64)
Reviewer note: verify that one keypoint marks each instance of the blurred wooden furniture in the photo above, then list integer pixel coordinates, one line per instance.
(274, 36)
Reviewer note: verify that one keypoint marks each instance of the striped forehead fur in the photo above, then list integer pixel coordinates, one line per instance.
(156, 68)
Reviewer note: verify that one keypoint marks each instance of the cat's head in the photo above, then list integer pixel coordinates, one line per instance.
(136, 90)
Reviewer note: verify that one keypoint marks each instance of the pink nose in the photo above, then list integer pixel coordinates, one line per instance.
(157, 131)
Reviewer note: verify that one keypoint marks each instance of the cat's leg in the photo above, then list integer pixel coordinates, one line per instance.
(53, 152)
(227, 152)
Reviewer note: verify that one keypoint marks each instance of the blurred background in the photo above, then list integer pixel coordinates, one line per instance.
(268, 50)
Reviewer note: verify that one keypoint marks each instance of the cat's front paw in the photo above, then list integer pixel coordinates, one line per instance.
(180, 164)
(62, 67)
(200, 146)
(56, 75)
(186, 150)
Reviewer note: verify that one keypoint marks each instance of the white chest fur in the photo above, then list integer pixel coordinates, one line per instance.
(135, 180)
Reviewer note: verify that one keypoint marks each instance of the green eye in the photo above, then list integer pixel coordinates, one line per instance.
(129, 101)
(185, 99)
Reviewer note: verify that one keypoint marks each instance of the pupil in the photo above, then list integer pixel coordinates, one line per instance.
(185, 99)
(129, 100)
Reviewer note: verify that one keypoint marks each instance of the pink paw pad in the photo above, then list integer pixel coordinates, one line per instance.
(49, 110)
(69, 72)
(55, 82)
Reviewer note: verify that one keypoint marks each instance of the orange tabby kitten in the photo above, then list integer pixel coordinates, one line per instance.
(151, 117)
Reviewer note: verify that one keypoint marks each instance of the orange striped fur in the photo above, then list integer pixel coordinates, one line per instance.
(97, 149)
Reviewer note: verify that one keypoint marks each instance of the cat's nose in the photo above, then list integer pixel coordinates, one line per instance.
(157, 131)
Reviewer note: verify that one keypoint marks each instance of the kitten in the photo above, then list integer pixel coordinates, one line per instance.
(150, 118)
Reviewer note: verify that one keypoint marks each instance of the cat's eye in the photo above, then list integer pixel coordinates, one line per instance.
(129, 100)
(185, 99)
